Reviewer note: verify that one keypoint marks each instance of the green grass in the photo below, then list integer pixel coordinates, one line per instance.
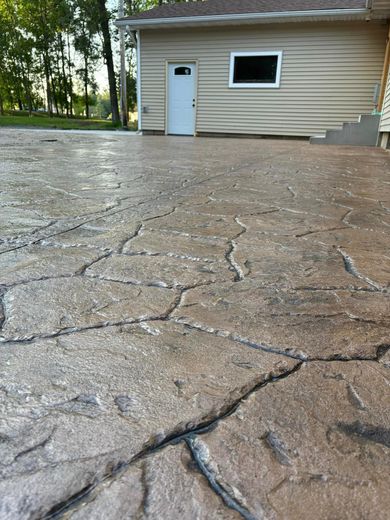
(41, 120)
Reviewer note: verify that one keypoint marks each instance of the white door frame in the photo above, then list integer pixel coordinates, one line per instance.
(173, 62)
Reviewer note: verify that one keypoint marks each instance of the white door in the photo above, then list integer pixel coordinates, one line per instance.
(181, 98)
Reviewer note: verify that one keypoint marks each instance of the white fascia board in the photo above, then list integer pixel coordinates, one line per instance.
(245, 17)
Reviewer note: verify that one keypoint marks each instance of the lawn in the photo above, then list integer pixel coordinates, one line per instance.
(41, 120)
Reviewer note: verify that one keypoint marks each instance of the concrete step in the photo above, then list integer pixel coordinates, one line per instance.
(362, 133)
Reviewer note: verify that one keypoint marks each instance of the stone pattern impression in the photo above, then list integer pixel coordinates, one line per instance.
(193, 329)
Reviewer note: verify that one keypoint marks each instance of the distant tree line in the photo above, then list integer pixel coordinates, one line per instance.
(50, 49)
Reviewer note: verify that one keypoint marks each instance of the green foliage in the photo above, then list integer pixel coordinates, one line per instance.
(85, 27)
(103, 105)
(41, 120)
(49, 51)
(131, 92)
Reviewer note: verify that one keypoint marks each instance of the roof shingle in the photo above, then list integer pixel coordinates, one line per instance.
(225, 7)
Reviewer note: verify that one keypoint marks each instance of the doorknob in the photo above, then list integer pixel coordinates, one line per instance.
(193, 103)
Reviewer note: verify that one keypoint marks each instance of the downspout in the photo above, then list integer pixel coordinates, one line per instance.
(135, 37)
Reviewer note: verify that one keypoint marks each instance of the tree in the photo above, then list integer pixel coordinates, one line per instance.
(44, 22)
(46, 44)
(104, 18)
(85, 29)
(16, 57)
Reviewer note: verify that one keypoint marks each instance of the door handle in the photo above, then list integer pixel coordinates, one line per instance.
(193, 103)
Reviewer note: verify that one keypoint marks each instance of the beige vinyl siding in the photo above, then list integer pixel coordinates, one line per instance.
(380, 7)
(385, 121)
(328, 75)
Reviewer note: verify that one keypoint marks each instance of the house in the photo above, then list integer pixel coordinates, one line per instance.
(261, 67)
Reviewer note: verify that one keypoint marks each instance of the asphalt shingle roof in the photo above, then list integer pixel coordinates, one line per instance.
(223, 7)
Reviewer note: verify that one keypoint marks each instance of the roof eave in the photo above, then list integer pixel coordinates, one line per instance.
(228, 19)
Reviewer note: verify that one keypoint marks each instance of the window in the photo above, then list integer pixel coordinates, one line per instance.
(182, 71)
(255, 69)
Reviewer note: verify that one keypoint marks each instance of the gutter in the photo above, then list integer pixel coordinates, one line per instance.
(360, 13)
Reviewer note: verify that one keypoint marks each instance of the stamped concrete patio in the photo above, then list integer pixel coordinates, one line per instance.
(193, 329)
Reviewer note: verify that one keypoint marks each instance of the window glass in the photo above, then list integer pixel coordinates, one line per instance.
(182, 71)
(255, 69)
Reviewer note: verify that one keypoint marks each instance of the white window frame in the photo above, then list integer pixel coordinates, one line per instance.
(233, 56)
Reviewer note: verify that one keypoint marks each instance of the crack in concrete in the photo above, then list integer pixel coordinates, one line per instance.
(345, 217)
(34, 232)
(229, 255)
(372, 433)
(165, 316)
(234, 266)
(180, 434)
(40, 279)
(160, 196)
(33, 242)
(2, 308)
(277, 448)
(189, 435)
(355, 398)
(157, 284)
(86, 266)
(128, 239)
(173, 255)
(344, 358)
(335, 288)
(293, 193)
(351, 269)
(287, 351)
(144, 503)
(41, 444)
(197, 453)
(306, 233)
(57, 245)
(140, 227)
(74, 330)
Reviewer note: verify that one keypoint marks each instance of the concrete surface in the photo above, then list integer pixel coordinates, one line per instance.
(364, 132)
(193, 329)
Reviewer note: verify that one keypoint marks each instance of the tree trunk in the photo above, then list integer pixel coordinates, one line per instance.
(64, 78)
(70, 76)
(48, 87)
(107, 50)
(11, 99)
(53, 92)
(28, 95)
(86, 88)
(26, 84)
(30, 107)
(1, 106)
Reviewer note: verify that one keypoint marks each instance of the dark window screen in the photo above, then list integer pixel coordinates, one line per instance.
(255, 69)
(182, 71)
